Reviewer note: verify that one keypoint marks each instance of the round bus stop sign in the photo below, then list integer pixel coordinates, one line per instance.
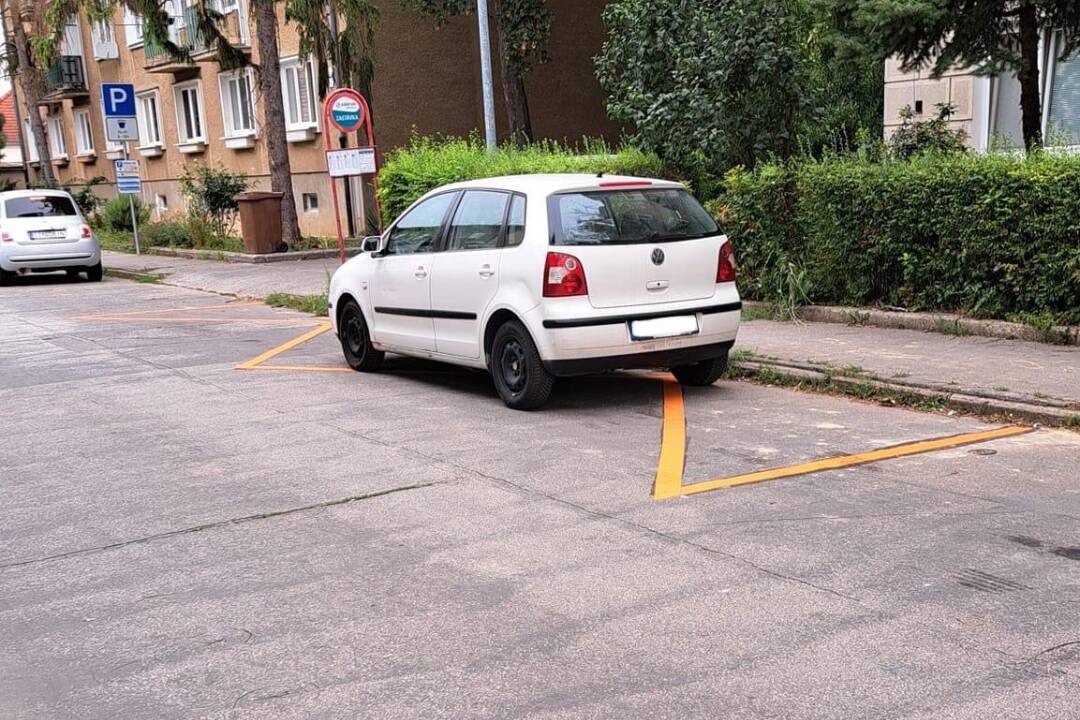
(346, 110)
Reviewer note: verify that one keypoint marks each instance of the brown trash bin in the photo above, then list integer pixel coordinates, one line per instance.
(260, 221)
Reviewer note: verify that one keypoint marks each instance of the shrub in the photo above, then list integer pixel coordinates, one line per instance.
(430, 162)
(210, 194)
(165, 234)
(85, 197)
(933, 135)
(986, 235)
(115, 214)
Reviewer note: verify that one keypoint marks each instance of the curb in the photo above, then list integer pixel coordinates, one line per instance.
(1012, 410)
(943, 323)
(133, 274)
(234, 257)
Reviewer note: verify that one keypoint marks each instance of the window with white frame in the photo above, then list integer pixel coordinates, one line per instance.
(84, 132)
(31, 145)
(298, 91)
(104, 40)
(1062, 96)
(190, 123)
(133, 28)
(57, 146)
(148, 113)
(236, 107)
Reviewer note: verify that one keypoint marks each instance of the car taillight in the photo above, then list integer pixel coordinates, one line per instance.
(564, 276)
(5, 236)
(86, 231)
(725, 266)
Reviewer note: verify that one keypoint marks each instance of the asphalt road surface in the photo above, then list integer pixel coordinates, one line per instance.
(180, 538)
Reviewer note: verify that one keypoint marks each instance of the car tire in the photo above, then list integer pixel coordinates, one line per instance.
(6, 278)
(356, 340)
(701, 374)
(95, 273)
(520, 377)
(73, 274)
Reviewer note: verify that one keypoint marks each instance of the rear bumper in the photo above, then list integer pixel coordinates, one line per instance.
(653, 359)
(51, 256)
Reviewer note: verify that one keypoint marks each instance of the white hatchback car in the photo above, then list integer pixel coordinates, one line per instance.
(43, 231)
(541, 276)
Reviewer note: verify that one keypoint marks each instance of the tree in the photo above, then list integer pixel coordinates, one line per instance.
(705, 83)
(31, 79)
(522, 30)
(991, 36)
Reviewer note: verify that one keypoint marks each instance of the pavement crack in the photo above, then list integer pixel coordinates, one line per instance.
(214, 525)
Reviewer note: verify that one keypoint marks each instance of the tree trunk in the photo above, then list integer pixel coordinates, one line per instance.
(1030, 100)
(277, 145)
(515, 100)
(31, 83)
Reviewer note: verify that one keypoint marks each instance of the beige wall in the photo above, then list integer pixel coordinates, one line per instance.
(907, 89)
(427, 80)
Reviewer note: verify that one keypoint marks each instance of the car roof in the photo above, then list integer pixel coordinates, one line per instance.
(547, 184)
(9, 194)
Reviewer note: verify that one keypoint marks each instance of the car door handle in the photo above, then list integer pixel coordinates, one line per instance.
(486, 271)
(420, 273)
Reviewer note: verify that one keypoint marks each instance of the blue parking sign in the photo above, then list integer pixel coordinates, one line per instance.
(118, 99)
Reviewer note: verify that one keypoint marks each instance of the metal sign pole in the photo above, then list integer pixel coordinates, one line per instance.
(134, 217)
(485, 74)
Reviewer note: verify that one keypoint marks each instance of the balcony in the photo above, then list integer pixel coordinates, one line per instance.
(185, 33)
(66, 79)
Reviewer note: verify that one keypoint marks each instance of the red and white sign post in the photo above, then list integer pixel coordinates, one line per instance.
(348, 111)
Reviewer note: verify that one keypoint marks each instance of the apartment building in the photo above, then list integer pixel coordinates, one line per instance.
(987, 107)
(427, 81)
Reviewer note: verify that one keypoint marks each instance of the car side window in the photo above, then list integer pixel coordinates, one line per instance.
(515, 222)
(418, 229)
(478, 221)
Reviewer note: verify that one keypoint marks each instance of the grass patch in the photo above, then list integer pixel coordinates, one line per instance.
(857, 318)
(1043, 323)
(764, 311)
(312, 304)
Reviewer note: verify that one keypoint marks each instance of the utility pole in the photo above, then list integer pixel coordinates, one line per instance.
(485, 72)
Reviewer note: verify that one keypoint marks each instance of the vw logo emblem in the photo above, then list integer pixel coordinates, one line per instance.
(657, 257)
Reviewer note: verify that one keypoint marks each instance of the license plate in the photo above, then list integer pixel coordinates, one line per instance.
(49, 235)
(666, 327)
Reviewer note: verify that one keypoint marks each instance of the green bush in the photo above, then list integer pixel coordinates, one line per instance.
(210, 194)
(989, 236)
(165, 234)
(429, 162)
(115, 214)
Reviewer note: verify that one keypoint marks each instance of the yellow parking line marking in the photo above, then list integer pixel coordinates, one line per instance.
(669, 469)
(284, 347)
(303, 368)
(197, 319)
(133, 313)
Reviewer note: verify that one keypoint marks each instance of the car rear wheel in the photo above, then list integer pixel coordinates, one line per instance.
(520, 377)
(6, 278)
(95, 273)
(356, 340)
(702, 373)
(73, 274)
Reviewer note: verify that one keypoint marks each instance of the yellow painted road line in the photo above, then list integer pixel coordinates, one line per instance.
(135, 313)
(843, 461)
(272, 353)
(669, 470)
(197, 319)
(303, 368)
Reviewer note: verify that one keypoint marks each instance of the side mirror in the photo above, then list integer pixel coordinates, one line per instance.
(370, 244)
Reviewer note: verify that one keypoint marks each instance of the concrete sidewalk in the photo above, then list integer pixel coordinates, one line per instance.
(1005, 372)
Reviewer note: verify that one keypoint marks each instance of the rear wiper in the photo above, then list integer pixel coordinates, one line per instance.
(656, 237)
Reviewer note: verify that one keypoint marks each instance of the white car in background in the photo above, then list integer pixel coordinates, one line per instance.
(542, 276)
(43, 231)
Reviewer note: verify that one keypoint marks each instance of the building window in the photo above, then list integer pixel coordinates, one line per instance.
(148, 112)
(311, 202)
(1063, 97)
(298, 89)
(31, 145)
(104, 40)
(236, 107)
(56, 138)
(84, 133)
(189, 113)
(161, 204)
(133, 28)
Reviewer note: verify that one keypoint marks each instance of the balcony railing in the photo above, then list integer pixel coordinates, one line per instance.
(185, 33)
(66, 75)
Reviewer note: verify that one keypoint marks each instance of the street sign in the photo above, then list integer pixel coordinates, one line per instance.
(345, 108)
(127, 177)
(121, 129)
(118, 99)
(351, 161)
(118, 103)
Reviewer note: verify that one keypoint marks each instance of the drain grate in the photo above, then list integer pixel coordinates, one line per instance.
(985, 582)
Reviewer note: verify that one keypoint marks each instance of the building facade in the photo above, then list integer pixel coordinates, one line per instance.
(427, 81)
(987, 107)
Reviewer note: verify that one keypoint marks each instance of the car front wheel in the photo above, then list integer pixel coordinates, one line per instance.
(702, 373)
(520, 377)
(356, 340)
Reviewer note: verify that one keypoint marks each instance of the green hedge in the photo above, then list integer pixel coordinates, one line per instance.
(990, 236)
(429, 162)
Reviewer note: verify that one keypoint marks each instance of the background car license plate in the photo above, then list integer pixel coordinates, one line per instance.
(664, 327)
(50, 234)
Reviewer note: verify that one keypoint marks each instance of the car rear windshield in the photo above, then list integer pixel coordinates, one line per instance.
(612, 217)
(39, 206)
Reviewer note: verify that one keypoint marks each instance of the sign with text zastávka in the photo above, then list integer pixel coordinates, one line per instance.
(351, 161)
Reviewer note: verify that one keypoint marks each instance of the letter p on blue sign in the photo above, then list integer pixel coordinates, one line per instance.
(118, 99)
